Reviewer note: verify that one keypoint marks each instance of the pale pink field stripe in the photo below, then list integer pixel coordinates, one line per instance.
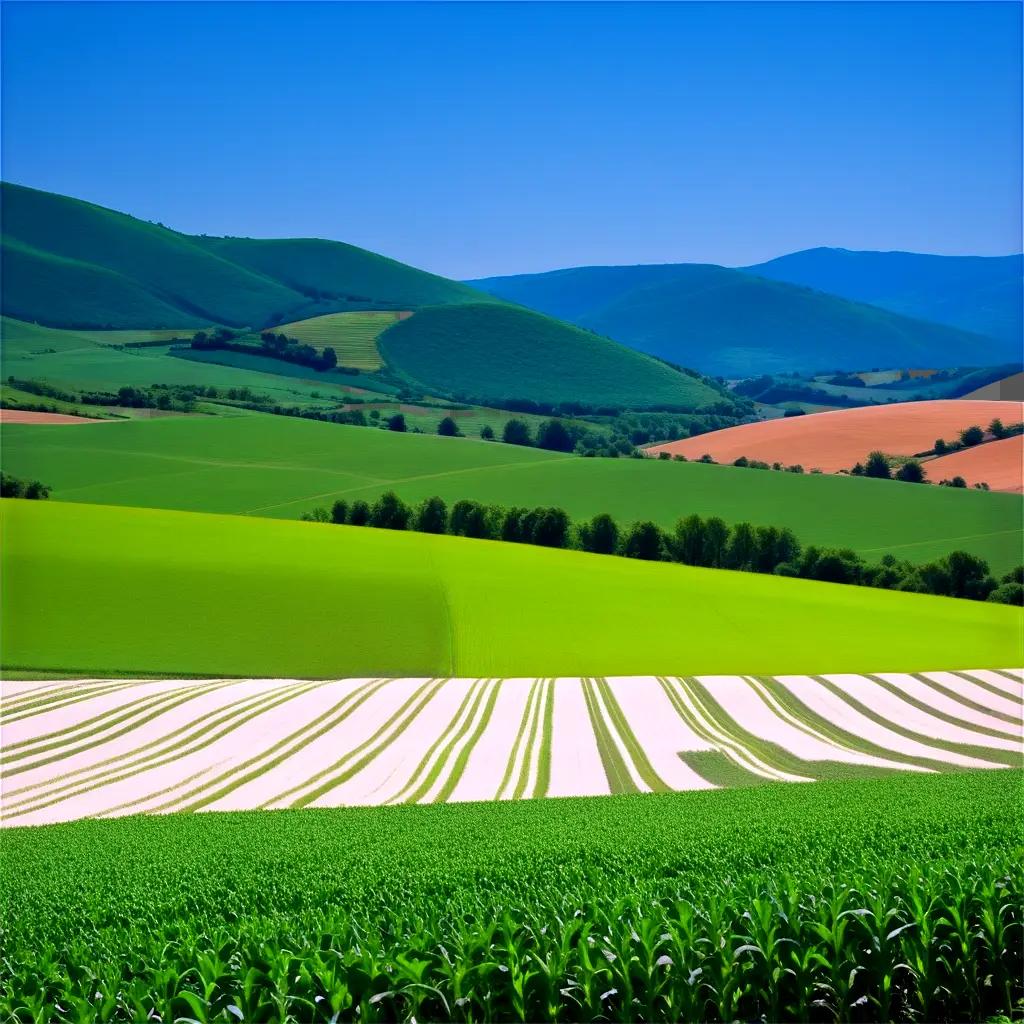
(940, 702)
(748, 709)
(978, 694)
(834, 709)
(576, 768)
(387, 775)
(39, 726)
(301, 712)
(1013, 687)
(18, 688)
(463, 742)
(490, 758)
(338, 744)
(149, 787)
(659, 730)
(193, 713)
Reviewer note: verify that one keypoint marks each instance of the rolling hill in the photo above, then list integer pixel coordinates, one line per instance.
(280, 467)
(71, 264)
(486, 353)
(974, 293)
(204, 594)
(728, 322)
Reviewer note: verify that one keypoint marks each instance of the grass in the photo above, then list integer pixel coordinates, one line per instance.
(353, 336)
(894, 899)
(166, 592)
(280, 467)
(487, 352)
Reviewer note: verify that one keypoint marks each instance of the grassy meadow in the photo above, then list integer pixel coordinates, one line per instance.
(353, 336)
(202, 594)
(281, 467)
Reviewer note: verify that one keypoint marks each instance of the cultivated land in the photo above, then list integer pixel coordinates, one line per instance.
(353, 336)
(1000, 464)
(836, 440)
(211, 595)
(101, 748)
(894, 899)
(43, 418)
(281, 467)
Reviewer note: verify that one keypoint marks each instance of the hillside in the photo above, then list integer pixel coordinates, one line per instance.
(728, 322)
(68, 263)
(224, 595)
(281, 467)
(974, 293)
(487, 353)
(1000, 464)
(832, 441)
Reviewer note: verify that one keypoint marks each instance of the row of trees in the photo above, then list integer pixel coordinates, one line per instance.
(697, 541)
(276, 346)
(12, 487)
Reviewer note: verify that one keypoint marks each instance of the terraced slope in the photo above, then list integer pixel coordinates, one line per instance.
(108, 747)
(353, 336)
(281, 467)
(96, 589)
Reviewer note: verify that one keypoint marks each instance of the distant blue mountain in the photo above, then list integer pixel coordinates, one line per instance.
(740, 323)
(975, 293)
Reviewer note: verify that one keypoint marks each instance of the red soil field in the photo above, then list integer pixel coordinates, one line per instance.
(1000, 464)
(831, 441)
(54, 418)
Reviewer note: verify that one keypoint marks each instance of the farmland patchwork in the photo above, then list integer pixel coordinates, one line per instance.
(102, 748)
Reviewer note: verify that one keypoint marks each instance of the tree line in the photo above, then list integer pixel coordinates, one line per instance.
(13, 487)
(695, 540)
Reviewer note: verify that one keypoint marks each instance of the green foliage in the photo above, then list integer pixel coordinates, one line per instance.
(431, 516)
(911, 472)
(877, 466)
(490, 353)
(553, 436)
(397, 423)
(12, 487)
(971, 436)
(889, 900)
(448, 427)
(600, 535)
(517, 432)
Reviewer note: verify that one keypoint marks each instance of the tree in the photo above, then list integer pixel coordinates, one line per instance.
(968, 576)
(397, 422)
(957, 481)
(487, 432)
(11, 487)
(972, 436)
(389, 512)
(359, 514)
(1007, 593)
(551, 528)
(996, 429)
(469, 519)
(448, 427)
(644, 540)
(339, 512)
(517, 432)
(858, 469)
(911, 472)
(940, 447)
(316, 515)
(328, 358)
(878, 466)
(600, 535)
(740, 552)
(687, 544)
(512, 525)
(431, 516)
(553, 436)
(716, 542)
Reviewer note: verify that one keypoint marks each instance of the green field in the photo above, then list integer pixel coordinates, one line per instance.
(485, 352)
(90, 588)
(353, 336)
(890, 900)
(282, 467)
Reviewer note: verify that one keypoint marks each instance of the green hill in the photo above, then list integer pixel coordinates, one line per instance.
(488, 353)
(100, 589)
(281, 467)
(72, 264)
(737, 324)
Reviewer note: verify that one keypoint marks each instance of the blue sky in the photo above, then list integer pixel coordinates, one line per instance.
(482, 139)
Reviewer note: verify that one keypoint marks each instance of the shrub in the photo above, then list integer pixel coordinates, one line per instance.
(878, 466)
(431, 516)
(972, 436)
(600, 535)
(517, 432)
(553, 436)
(644, 540)
(389, 512)
(911, 472)
(397, 423)
(448, 428)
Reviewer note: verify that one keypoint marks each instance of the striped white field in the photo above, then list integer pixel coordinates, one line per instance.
(101, 748)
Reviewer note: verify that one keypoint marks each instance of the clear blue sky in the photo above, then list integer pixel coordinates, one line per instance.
(482, 139)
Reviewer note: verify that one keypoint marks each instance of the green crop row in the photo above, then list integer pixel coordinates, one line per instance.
(895, 899)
